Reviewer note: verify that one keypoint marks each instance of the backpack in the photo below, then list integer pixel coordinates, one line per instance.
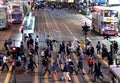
(98, 46)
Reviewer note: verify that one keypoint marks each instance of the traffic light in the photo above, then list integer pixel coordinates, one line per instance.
(85, 28)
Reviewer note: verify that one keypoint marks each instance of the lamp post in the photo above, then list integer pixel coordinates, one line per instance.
(85, 30)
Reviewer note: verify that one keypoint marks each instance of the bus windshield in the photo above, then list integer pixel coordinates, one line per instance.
(2, 14)
(16, 15)
(110, 25)
(110, 13)
(16, 7)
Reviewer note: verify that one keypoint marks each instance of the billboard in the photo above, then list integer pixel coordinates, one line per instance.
(99, 1)
(113, 2)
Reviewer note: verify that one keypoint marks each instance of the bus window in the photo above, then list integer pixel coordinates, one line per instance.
(111, 13)
(16, 15)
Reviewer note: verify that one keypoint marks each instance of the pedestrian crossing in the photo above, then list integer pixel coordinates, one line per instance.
(75, 78)
(86, 78)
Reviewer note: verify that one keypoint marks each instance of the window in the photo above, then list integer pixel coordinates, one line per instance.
(111, 13)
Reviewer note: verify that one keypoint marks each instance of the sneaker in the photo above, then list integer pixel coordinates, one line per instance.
(69, 80)
(25, 72)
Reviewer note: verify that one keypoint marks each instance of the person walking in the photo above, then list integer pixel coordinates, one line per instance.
(115, 46)
(80, 65)
(96, 72)
(5, 59)
(36, 48)
(6, 45)
(37, 39)
(59, 61)
(43, 53)
(66, 72)
(98, 46)
(90, 64)
(54, 70)
(100, 70)
(46, 65)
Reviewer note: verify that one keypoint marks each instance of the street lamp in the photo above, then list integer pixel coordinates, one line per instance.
(85, 30)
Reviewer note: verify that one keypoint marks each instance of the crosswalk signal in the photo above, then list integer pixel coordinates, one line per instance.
(85, 28)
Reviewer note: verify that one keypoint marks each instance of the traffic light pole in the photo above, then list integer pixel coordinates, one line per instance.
(85, 30)
(85, 33)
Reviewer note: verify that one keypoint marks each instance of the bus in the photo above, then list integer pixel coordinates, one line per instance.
(16, 13)
(4, 17)
(28, 24)
(105, 20)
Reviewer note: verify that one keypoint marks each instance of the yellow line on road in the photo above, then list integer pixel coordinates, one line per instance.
(85, 76)
(76, 79)
(36, 71)
(105, 62)
(46, 78)
(8, 75)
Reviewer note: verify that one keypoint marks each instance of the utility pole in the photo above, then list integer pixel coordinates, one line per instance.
(85, 30)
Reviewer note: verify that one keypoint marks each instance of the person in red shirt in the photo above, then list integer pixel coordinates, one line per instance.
(90, 64)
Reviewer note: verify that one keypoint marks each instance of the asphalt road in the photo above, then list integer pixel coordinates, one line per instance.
(61, 25)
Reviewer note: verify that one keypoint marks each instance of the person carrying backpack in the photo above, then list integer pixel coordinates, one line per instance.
(98, 46)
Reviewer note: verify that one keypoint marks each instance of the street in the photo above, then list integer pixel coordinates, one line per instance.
(60, 25)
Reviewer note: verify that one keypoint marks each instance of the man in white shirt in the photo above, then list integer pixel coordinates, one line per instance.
(5, 63)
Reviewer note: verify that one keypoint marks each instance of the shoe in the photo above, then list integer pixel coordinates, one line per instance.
(25, 73)
(69, 80)
(83, 73)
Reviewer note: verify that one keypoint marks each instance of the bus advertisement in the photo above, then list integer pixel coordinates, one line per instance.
(16, 14)
(4, 17)
(105, 20)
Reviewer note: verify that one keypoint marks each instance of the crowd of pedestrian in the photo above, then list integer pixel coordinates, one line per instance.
(63, 61)
(21, 57)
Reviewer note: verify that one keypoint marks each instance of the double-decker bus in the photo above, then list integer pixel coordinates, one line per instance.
(16, 13)
(4, 17)
(105, 20)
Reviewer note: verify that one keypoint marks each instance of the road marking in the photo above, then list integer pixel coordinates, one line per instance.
(46, 78)
(76, 79)
(85, 76)
(8, 75)
(36, 71)
(105, 62)
(70, 31)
